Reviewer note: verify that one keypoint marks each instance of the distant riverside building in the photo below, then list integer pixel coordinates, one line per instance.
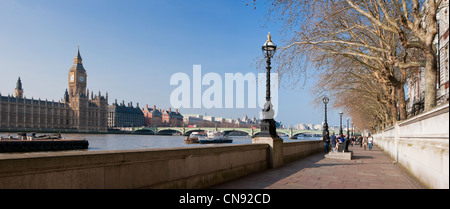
(310, 126)
(229, 120)
(219, 119)
(76, 112)
(153, 117)
(125, 116)
(160, 117)
(209, 118)
(191, 119)
(172, 118)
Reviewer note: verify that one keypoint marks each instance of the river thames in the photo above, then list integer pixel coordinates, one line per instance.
(130, 141)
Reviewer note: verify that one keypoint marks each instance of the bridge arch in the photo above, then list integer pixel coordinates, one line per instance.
(144, 131)
(227, 132)
(168, 132)
(188, 132)
(294, 136)
(278, 132)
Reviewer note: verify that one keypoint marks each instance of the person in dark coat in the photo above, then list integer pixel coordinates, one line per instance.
(326, 142)
(333, 141)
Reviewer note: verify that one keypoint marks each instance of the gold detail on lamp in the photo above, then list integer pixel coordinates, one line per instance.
(269, 38)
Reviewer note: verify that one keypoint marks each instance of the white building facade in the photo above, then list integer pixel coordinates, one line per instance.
(442, 45)
(416, 82)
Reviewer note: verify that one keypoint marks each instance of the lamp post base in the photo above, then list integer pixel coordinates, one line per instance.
(268, 135)
(268, 128)
(275, 150)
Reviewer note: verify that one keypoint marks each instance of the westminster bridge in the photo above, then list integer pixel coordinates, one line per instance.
(186, 131)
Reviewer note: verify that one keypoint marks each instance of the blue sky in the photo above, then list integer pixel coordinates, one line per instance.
(131, 48)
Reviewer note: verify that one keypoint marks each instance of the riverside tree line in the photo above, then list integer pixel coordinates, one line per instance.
(363, 51)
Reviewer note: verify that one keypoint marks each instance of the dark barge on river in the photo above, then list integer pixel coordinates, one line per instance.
(29, 142)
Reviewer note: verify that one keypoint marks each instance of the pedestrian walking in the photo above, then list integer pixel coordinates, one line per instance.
(326, 142)
(333, 141)
(370, 142)
(364, 142)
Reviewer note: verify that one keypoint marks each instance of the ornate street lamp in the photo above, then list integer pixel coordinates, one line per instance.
(353, 129)
(340, 126)
(348, 129)
(325, 124)
(268, 126)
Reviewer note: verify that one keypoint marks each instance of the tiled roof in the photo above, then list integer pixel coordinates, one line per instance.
(29, 101)
(125, 109)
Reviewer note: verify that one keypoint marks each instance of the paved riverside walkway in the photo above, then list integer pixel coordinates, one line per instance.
(367, 170)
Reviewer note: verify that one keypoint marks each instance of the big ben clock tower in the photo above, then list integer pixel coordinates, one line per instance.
(86, 114)
(78, 98)
(77, 77)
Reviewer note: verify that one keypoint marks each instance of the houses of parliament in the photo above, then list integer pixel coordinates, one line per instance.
(79, 111)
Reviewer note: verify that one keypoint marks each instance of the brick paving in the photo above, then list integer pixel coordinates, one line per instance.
(367, 170)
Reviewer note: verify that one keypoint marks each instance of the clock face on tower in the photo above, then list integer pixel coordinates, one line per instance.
(81, 78)
(72, 78)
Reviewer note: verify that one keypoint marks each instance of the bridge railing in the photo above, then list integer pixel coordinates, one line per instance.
(251, 131)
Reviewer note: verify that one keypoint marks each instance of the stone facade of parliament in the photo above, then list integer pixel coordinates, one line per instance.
(79, 111)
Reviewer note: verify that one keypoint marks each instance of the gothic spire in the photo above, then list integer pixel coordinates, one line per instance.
(66, 96)
(78, 62)
(19, 84)
(78, 59)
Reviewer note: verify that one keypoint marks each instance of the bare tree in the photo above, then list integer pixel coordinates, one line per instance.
(365, 38)
(420, 18)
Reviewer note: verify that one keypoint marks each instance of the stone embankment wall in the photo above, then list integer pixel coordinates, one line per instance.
(198, 167)
(296, 150)
(421, 144)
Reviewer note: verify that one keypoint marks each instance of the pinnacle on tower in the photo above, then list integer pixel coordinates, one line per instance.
(66, 96)
(18, 92)
(78, 59)
(19, 84)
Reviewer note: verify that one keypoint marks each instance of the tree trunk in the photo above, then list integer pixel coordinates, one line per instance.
(393, 107)
(430, 79)
(431, 57)
(401, 102)
(393, 114)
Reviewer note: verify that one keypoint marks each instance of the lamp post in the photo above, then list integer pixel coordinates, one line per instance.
(268, 134)
(348, 129)
(340, 126)
(353, 129)
(268, 126)
(325, 124)
(290, 132)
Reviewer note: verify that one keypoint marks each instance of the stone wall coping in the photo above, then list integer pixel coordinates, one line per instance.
(192, 150)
